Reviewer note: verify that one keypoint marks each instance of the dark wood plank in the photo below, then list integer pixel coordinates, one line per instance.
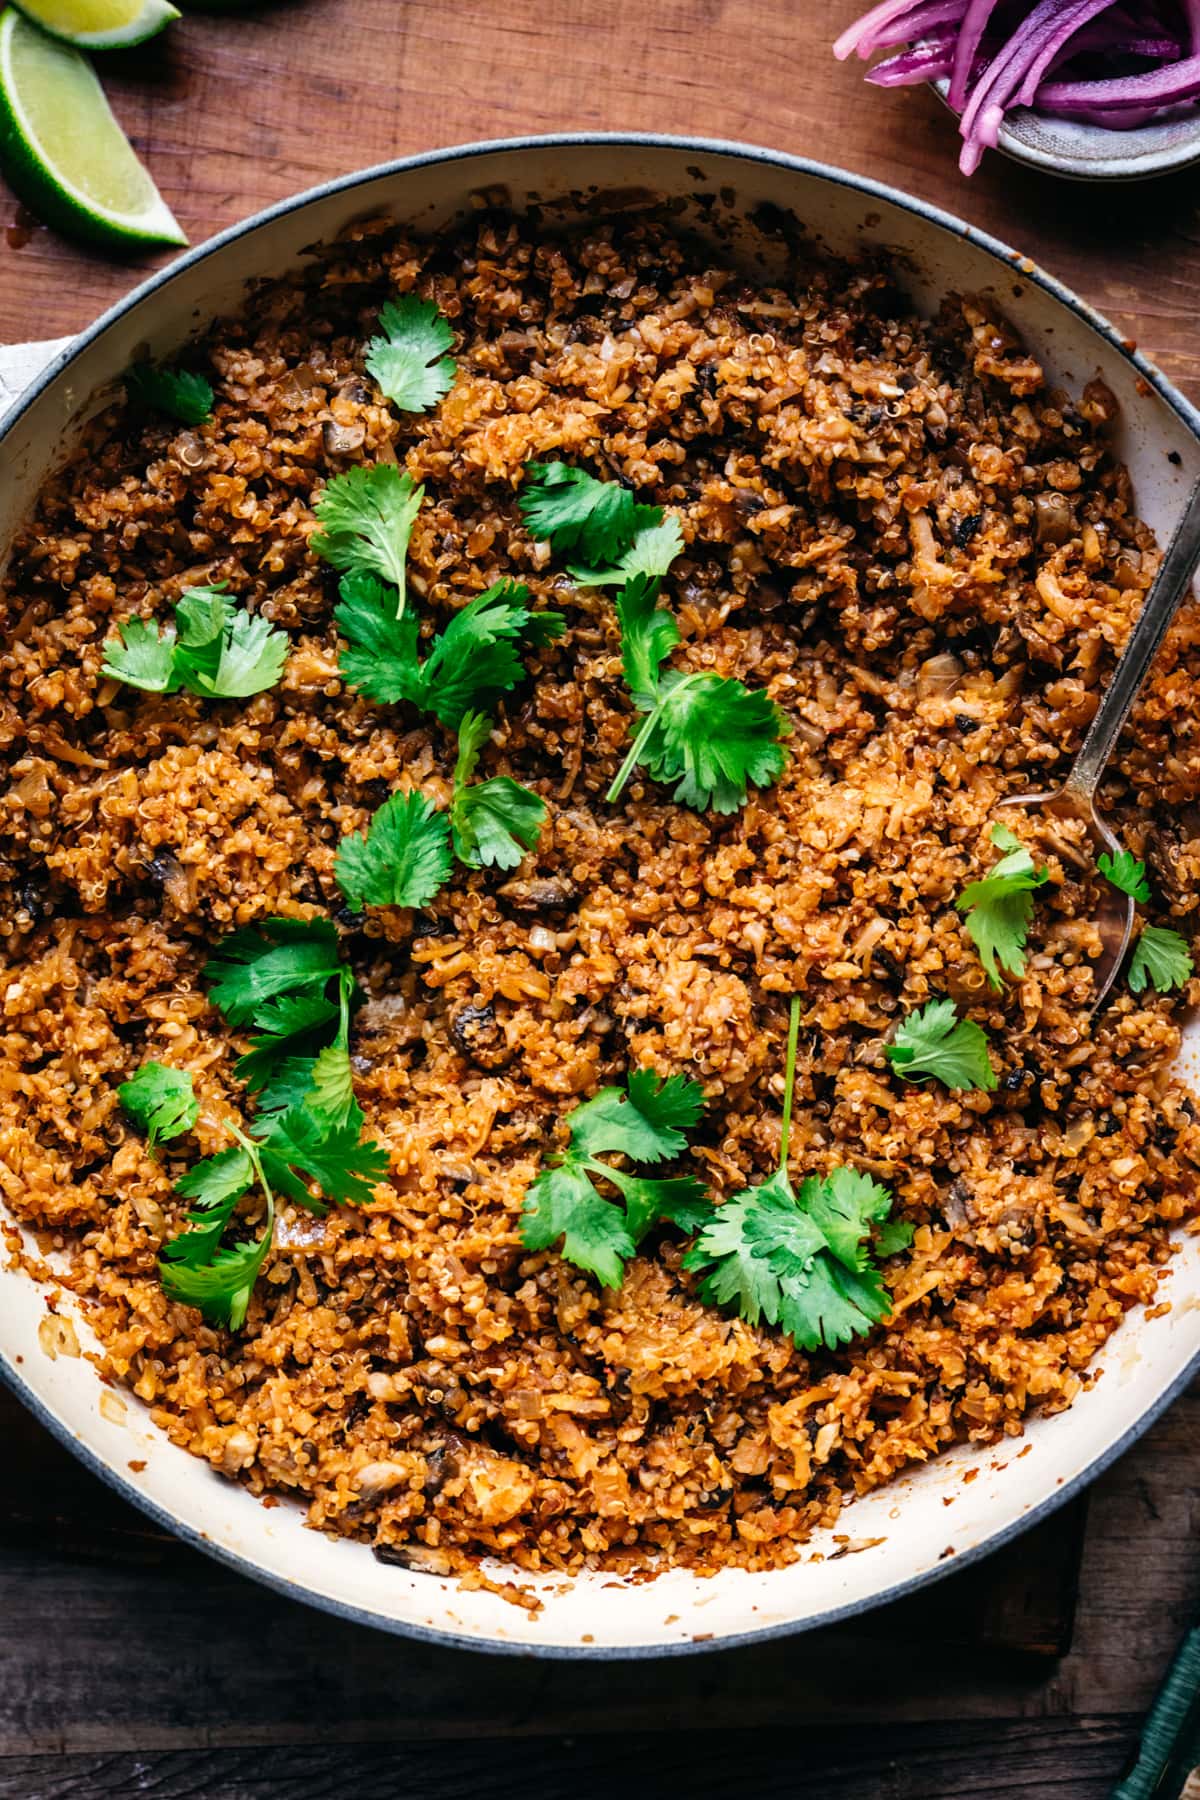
(1049, 1760)
(234, 111)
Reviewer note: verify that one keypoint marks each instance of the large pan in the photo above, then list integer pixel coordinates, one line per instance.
(906, 1534)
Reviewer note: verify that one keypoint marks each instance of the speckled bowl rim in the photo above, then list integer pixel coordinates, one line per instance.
(1029, 271)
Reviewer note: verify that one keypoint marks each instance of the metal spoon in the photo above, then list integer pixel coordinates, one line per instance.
(1076, 798)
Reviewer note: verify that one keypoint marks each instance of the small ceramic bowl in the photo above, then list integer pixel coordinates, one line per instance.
(1083, 152)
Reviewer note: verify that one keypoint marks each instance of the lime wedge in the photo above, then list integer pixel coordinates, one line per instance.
(100, 24)
(62, 149)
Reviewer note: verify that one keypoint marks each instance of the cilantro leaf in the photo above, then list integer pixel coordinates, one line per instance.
(471, 662)
(1161, 956)
(833, 1305)
(1126, 873)
(366, 518)
(845, 1206)
(651, 553)
(474, 659)
(648, 636)
(407, 361)
(264, 962)
(309, 1123)
(196, 1268)
(493, 822)
(646, 1122)
(802, 1262)
(161, 1101)
(141, 656)
(380, 654)
(253, 652)
(332, 1156)
(934, 1041)
(176, 392)
(290, 1025)
(403, 859)
(575, 511)
(331, 1091)
(214, 649)
(220, 1288)
(202, 614)
(893, 1236)
(732, 1273)
(215, 1186)
(713, 738)
(706, 733)
(562, 1207)
(998, 908)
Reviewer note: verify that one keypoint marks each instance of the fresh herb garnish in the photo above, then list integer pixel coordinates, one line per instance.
(160, 1101)
(802, 1262)
(705, 732)
(616, 536)
(182, 396)
(470, 663)
(493, 822)
(366, 518)
(407, 361)
(646, 1122)
(935, 1041)
(1126, 873)
(212, 648)
(575, 511)
(307, 1132)
(651, 553)
(403, 859)
(1161, 956)
(998, 908)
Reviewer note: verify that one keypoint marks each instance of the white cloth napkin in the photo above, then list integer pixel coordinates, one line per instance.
(20, 363)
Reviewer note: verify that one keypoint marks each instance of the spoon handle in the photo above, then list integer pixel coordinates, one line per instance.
(1171, 586)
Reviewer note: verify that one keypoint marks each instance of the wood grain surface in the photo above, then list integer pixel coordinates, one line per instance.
(132, 1667)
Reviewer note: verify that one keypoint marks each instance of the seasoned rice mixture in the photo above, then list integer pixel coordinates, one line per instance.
(930, 560)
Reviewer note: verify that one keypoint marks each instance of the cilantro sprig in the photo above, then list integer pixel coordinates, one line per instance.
(470, 664)
(707, 733)
(305, 1143)
(617, 537)
(405, 855)
(801, 1261)
(366, 516)
(935, 1041)
(574, 511)
(1125, 873)
(1161, 956)
(999, 908)
(176, 392)
(493, 822)
(408, 358)
(402, 859)
(161, 1101)
(646, 1122)
(211, 648)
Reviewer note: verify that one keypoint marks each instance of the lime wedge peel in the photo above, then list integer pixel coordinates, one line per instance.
(64, 152)
(100, 24)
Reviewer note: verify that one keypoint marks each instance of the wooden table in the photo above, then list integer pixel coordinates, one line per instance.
(130, 1666)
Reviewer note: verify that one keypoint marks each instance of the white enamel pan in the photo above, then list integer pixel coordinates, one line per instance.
(903, 1536)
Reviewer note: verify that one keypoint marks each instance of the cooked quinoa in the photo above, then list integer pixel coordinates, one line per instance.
(930, 559)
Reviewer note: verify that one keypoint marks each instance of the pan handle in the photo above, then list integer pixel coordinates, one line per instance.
(1168, 1759)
